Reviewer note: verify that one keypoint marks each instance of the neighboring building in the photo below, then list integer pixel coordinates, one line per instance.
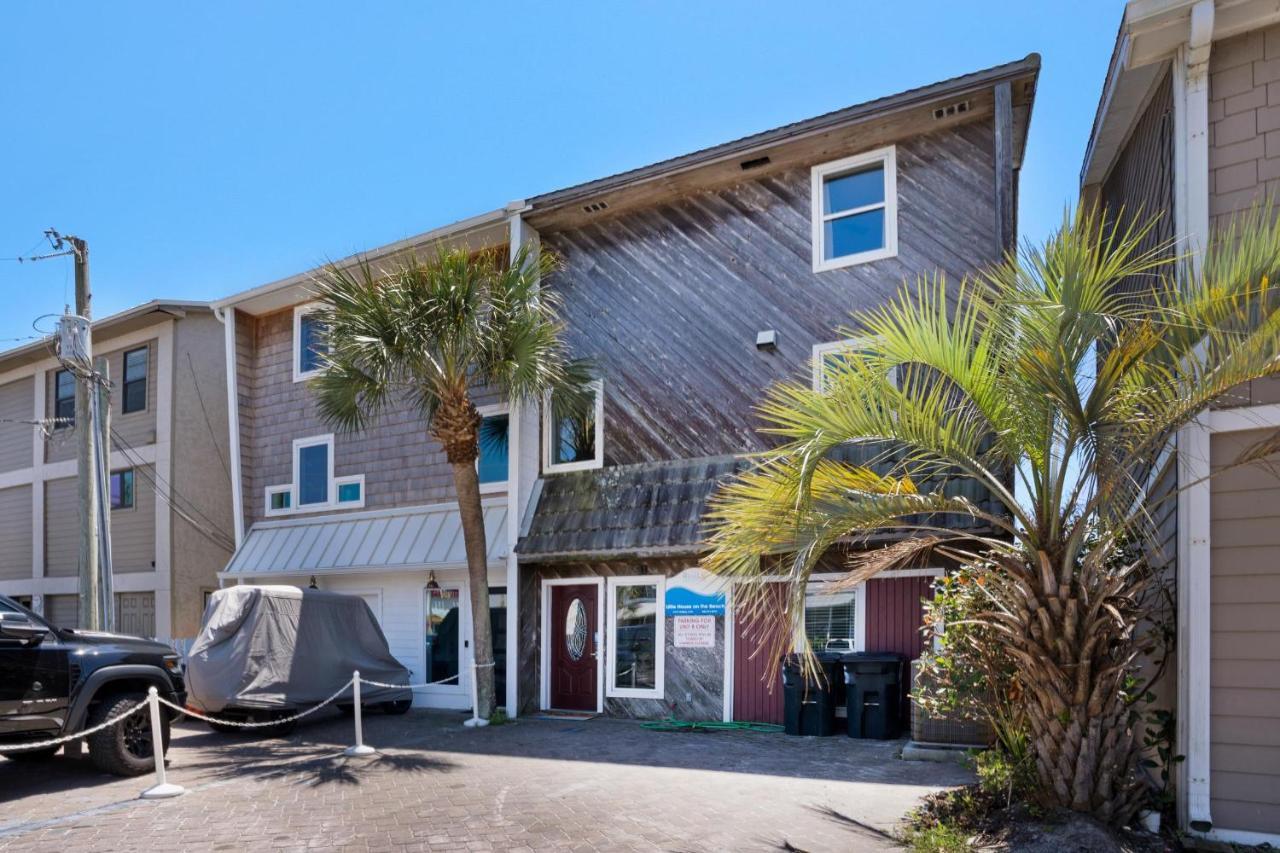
(170, 495)
(1189, 126)
(671, 273)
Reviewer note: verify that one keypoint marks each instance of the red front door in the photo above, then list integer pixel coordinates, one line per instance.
(573, 657)
(757, 698)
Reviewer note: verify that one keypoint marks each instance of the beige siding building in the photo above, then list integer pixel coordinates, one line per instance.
(1189, 126)
(170, 481)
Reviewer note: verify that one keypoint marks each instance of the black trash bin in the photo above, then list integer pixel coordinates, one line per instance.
(873, 683)
(808, 705)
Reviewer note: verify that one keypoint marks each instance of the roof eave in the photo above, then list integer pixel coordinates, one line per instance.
(103, 326)
(748, 145)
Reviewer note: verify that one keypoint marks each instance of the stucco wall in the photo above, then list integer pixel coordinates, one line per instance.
(201, 472)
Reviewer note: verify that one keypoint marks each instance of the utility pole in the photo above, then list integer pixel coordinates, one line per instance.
(77, 355)
(90, 602)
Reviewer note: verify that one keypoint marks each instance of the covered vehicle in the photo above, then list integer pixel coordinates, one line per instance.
(265, 652)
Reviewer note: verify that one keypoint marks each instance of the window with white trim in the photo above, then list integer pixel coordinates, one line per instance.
(309, 346)
(573, 441)
(636, 638)
(314, 486)
(493, 458)
(313, 470)
(831, 619)
(855, 210)
(828, 357)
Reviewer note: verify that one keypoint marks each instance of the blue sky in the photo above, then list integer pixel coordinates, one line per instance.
(206, 148)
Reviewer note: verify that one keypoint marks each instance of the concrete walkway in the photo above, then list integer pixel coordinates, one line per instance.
(529, 785)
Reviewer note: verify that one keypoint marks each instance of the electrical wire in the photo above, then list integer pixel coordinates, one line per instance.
(195, 383)
(166, 492)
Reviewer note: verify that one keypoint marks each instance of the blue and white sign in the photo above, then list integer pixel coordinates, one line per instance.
(695, 592)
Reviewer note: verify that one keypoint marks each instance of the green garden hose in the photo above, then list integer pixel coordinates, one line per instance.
(671, 724)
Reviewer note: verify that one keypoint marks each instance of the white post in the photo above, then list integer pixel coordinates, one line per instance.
(359, 748)
(161, 790)
(476, 720)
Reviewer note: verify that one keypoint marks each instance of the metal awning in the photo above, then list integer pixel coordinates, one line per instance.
(411, 538)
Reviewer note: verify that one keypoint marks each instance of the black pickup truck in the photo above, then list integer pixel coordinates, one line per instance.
(57, 681)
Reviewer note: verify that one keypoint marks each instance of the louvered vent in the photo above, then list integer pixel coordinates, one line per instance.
(596, 206)
(958, 108)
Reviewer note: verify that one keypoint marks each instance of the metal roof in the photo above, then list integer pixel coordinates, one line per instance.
(411, 538)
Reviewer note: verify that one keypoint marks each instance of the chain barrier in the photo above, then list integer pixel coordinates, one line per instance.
(364, 680)
(44, 744)
(243, 725)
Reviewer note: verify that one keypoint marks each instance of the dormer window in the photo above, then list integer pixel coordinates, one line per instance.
(855, 210)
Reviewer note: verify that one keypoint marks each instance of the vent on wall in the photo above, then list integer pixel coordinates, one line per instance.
(596, 206)
(754, 163)
(958, 108)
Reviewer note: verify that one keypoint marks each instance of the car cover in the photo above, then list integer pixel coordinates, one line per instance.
(284, 647)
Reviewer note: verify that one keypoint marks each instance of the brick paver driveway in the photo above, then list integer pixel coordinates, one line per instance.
(533, 784)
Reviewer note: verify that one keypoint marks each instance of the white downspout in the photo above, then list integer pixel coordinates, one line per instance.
(522, 473)
(227, 317)
(1191, 218)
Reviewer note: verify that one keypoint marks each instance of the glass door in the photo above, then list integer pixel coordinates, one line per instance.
(446, 646)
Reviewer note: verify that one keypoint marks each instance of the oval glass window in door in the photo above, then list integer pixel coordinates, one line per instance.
(575, 629)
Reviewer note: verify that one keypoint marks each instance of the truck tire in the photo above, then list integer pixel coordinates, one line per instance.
(124, 749)
(397, 706)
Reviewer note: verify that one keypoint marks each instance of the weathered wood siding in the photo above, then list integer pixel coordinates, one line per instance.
(757, 687)
(1140, 185)
(668, 300)
(137, 428)
(1244, 645)
(15, 533)
(400, 464)
(17, 400)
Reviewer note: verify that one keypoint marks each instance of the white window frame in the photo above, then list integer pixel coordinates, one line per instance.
(338, 482)
(294, 486)
(274, 490)
(300, 311)
(598, 461)
(611, 627)
(497, 485)
(331, 494)
(822, 350)
(816, 586)
(818, 174)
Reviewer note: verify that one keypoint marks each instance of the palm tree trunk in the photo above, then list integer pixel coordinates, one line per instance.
(467, 484)
(1072, 661)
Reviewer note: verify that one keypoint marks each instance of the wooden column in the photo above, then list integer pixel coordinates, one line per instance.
(1006, 216)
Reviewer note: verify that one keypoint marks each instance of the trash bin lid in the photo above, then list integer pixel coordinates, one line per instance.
(872, 657)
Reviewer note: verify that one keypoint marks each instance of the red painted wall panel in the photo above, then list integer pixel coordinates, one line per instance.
(754, 699)
(895, 614)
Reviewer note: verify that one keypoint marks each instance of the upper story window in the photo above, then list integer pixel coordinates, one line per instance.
(855, 210)
(309, 346)
(313, 470)
(64, 399)
(134, 385)
(494, 448)
(122, 489)
(828, 358)
(574, 442)
(314, 486)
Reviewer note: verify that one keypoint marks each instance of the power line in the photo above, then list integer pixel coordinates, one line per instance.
(166, 492)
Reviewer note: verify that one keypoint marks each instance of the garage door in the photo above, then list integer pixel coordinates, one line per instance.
(63, 610)
(136, 613)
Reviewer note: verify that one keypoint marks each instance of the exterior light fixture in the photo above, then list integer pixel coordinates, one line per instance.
(431, 582)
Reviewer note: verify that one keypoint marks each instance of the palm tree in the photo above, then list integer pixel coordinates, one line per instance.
(428, 334)
(1054, 381)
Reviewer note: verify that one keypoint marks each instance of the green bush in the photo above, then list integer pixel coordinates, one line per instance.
(938, 839)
